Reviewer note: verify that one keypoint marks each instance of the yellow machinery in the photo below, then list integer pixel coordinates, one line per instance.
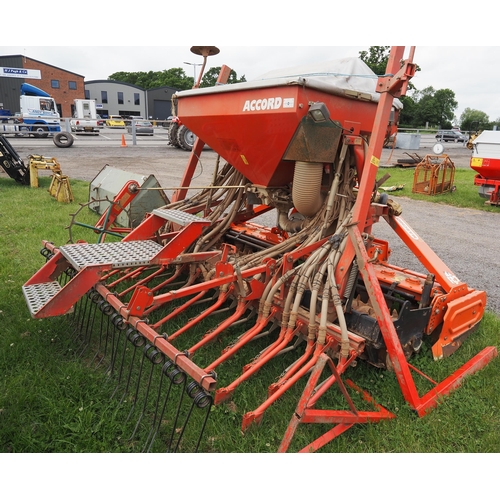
(59, 188)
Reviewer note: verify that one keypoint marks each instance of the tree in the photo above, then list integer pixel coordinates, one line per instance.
(435, 108)
(473, 119)
(407, 114)
(173, 77)
(210, 77)
(376, 58)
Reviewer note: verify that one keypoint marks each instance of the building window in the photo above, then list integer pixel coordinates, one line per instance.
(120, 97)
(72, 85)
(104, 96)
(87, 94)
(137, 99)
(54, 84)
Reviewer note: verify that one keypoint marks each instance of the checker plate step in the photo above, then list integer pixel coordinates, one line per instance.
(118, 254)
(38, 295)
(178, 216)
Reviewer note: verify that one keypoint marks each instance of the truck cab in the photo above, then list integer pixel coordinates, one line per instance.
(38, 113)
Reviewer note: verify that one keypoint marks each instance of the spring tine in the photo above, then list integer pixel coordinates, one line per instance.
(84, 304)
(138, 384)
(177, 414)
(127, 336)
(152, 431)
(103, 325)
(201, 400)
(131, 367)
(145, 402)
(118, 326)
(156, 426)
(74, 319)
(86, 332)
(107, 311)
(155, 357)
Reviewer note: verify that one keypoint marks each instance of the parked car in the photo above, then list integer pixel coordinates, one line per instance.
(115, 121)
(142, 127)
(128, 119)
(451, 136)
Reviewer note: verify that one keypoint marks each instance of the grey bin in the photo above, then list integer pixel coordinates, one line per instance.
(408, 141)
(109, 182)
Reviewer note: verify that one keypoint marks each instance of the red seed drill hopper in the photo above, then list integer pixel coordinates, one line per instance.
(210, 299)
(485, 161)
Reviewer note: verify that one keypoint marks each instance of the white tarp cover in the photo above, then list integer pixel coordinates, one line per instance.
(488, 137)
(487, 145)
(343, 77)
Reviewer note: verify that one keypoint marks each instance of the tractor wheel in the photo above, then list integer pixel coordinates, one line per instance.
(185, 138)
(172, 134)
(63, 140)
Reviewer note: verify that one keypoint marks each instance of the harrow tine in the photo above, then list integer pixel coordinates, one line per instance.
(181, 381)
(99, 355)
(85, 334)
(155, 357)
(200, 400)
(137, 384)
(157, 417)
(74, 319)
(128, 335)
(137, 341)
(118, 326)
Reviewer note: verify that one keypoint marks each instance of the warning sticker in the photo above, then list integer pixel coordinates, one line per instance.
(375, 161)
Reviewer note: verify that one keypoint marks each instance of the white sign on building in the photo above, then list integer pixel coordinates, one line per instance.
(20, 73)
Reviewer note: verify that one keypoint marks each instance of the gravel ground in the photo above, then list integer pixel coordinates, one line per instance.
(466, 240)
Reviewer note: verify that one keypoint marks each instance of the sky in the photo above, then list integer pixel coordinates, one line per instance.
(467, 71)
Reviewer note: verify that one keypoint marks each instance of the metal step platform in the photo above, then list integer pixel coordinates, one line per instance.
(118, 254)
(38, 295)
(178, 216)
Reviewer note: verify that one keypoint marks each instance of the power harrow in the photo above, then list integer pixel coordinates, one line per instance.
(303, 299)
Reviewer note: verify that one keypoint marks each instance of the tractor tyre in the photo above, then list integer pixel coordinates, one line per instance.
(172, 134)
(63, 140)
(185, 138)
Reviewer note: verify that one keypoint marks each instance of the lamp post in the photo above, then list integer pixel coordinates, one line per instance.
(194, 70)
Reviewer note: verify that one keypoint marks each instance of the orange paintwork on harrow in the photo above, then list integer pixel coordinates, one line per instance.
(318, 284)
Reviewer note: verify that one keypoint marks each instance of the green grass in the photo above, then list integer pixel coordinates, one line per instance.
(465, 195)
(54, 400)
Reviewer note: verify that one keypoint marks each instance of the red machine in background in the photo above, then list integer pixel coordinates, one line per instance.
(318, 283)
(486, 162)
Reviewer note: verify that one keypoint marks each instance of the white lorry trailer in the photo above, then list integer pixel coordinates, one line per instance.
(38, 114)
(85, 120)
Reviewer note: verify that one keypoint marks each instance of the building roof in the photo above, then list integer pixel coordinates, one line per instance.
(115, 82)
(41, 62)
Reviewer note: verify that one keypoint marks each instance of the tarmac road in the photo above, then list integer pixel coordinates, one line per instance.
(466, 240)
